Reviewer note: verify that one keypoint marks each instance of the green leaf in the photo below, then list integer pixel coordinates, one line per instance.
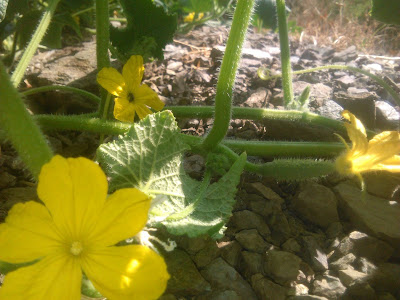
(386, 11)
(146, 23)
(3, 8)
(149, 157)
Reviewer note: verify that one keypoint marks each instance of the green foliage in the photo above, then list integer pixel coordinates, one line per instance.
(149, 157)
(3, 8)
(149, 28)
(386, 11)
(197, 6)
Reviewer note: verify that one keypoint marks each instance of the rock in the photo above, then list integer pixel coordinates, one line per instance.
(222, 276)
(267, 193)
(386, 278)
(361, 104)
(186, 279)
(381, 184)
(259, 98)
(328, 286)
(345, 55)
(250, 264)
(316, 204)
(282, 266)
(247, 219)
(373, 68)
(307, 297)
(266, 289)
(334, 230)
(374, 215)
(386, 115)
(194, 165)
(343, 263)
(364, 265)
(346, 80)
(291, 245)
(349, 276)
(7, 180)
(330, 109)
(206, 255)
(280, 228)
(167, 297)
(317, 91)
(386, 296)
(298, 289)
(313, 254)
(361, 290)
(360, 244)
(174, 65)
(11, 196)
(220, 295)
(230, 252)
(310, 54)
(251, 240)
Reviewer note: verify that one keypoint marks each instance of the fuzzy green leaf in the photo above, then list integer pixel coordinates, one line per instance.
(149, 157)
(386, 11)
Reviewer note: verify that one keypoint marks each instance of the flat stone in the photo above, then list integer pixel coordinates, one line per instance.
(316, 204)
(258, 99)
(381, 184)
(250, 264)
(206, 255)
(346, 80)
(282, 266)
(330, 109)
(267, 193)
(362, 264)
(386, 278)
(313, 254)
(266, 289)
(251, 240)
(361, 290)
(328, 286)
(230, 252)
(291, 245)
(247, 219)
(386, 115)
(350, 276)
(307, 297)
(186, 280)
(343, 263)
(374, 215)
(222, 276)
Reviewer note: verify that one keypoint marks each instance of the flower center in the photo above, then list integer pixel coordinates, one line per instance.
(76, 248)
(131, 98)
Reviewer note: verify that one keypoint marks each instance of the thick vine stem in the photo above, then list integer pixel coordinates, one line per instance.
(285, 53)
(20, 128)
(71, 89)
(226, 80)
(34, 43)
(102, 43)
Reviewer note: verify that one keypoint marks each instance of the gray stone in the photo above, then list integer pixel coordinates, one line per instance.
(350, 276)
(282, 266)
(307, 297)
(280, 229)
(206, 255)
(222, 276)
(313, 254)
(266, 289)
(230, 252)
(316, 204)
(250, 264)
(267, 193)
(346, 80)
(186, 279)
(374, 215)
(386, 296)
(310, 54)
(361, 290)
(334, 230)
(291, 245)
(247, 219)
(373, 68)
(220, 295)
(386, 278)
(330, 109)
(363, 245)
(259, 98)
(317, 91)
(362, 264)
(386, 115)
(298, 289)
(328, 286)
(345, 55)
(381, 184)
(251, 240)
(343, 263)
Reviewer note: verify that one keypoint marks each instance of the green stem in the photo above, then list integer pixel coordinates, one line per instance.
(47, 88)
(226, 80)
(102, 43)
(34, 43)
(285, 53)
(379, 80)
(20, 128)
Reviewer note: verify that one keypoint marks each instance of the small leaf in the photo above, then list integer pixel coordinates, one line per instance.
(145, 22)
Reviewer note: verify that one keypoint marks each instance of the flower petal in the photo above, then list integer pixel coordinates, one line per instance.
(354, 121)
(142, 111)
(127, 272)
(28, 233)
(111, 80)
(123, 216)
(54, 277)
(145, 95)
(124, 111)
(392, 164)
(356, 133)
(74, 190)
(133, 71)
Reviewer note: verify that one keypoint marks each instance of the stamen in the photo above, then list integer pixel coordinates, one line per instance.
(76, 248)
(131, 98)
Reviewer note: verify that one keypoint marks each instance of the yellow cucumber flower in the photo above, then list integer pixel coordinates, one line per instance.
(377, 154)
(74, 232)
(131, 96)
(190, 17)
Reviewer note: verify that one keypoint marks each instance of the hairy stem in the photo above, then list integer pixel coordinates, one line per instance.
(20, 128)
(34, 43)
(226, 80)
(48, 88)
